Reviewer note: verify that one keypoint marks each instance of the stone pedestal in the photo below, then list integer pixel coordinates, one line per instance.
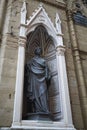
(38, 117)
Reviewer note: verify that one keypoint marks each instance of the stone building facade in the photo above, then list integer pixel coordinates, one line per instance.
(72, 16)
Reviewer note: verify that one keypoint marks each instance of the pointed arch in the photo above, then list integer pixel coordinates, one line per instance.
(40, 18)
(39, 37)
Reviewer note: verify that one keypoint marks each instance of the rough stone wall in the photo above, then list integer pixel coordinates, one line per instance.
(78, 41)
(9, 51)
(81, 32)
(84, 65)
(73, 87)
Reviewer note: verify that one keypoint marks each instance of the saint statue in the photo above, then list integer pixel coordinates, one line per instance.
(37, 81)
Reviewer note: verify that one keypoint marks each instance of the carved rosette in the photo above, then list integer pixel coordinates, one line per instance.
(60, 50)
(22, 42)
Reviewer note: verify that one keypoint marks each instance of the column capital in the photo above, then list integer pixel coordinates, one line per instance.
(60, 50)
(60, 34)
(22, 42)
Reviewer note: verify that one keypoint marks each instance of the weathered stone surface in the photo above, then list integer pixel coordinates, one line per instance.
(81, 37)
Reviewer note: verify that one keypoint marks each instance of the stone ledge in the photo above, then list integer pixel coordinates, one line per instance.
(5, 128)
(37, 128)
(41, 125)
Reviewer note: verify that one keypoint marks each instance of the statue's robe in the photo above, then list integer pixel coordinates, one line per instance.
(37, 72)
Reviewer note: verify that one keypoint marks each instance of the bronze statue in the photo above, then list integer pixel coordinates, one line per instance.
(37, 83)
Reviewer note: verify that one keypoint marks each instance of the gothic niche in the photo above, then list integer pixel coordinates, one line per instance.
(40, 37)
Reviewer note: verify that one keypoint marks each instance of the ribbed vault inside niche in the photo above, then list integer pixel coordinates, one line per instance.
(40, 37)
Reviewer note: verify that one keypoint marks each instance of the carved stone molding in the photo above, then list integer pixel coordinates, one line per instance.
(41, 16)
(22, 42)
(60, 50)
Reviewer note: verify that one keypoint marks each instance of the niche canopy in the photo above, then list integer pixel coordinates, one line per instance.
(40, 17)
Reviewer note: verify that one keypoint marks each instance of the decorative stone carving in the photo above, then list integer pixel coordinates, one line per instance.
(23, 13)
(58, 24)
(60, 50)
(22, 42)
(40, 16)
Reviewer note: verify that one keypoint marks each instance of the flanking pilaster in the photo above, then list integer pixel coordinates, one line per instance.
(17, 116)
(65, 99)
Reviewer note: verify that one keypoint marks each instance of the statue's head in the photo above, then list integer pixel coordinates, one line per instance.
(38, 51)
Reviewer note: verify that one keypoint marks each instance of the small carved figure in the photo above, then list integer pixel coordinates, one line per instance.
(37, 83)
